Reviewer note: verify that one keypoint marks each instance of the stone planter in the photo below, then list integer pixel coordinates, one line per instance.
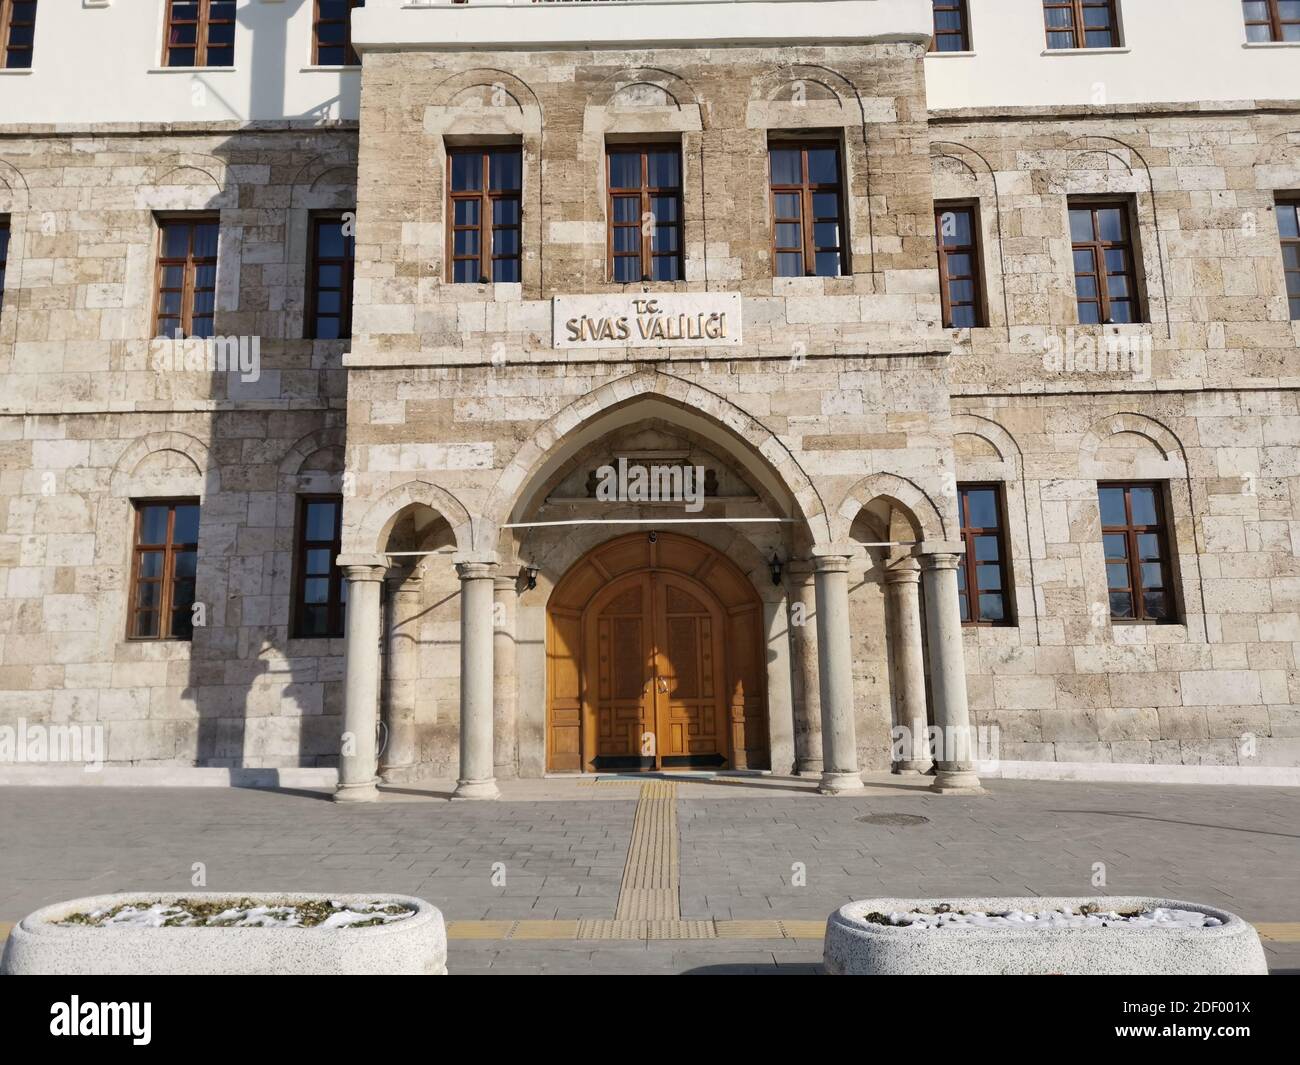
(39, 945)
(855, 946)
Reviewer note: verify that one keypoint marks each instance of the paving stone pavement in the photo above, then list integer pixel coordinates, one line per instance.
(750, 853)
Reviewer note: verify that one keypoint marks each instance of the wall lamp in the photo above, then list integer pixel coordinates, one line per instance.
(775, 567)
(530, 575)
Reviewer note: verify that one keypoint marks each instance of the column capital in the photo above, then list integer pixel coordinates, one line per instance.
(831, 563)
(905, 570)
(476, 567)
(361, 568)
(931, 549)
(799, 567)
(505, 584)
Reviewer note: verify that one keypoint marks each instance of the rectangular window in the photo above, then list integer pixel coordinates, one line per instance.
(1288, 224)
(1136, 540)
(329, 305)
(187, 276)
(807, 210)
(645, 213)
(17, 33)
(163, 570)
(1272, 20)
(951, 26)
(200, 33)
(332, 33)
(1105, 274)
(1081, 23)
(983, 576)
(4, 255)
(484, 214)
(320, 593)
(961, 283)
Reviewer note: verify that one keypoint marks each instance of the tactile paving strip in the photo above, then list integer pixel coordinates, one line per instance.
(650, 876)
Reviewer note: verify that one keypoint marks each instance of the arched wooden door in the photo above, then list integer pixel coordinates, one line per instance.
(654, 651)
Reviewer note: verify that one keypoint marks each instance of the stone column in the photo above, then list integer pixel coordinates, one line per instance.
(840, 773)
(361, 682)
(505, 680)
(397, 761)
(955, 766)
(903, 603)
(476, 780)
(803, 638)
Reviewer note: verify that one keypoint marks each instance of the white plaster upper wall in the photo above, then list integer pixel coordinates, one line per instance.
(97, 61)
(440, 24)
(1175, 51)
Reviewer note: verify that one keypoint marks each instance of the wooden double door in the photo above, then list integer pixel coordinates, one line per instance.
(656, 686)
(655, 660)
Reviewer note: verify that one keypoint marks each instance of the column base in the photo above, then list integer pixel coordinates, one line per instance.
(841, 784)
(809, 767)
(366, 791)
(476, 789)
(400, 774)
(956, 782)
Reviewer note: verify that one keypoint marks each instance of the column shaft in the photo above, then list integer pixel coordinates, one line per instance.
(361, 685)
(954, 766)
(903, 598)
(398, 758)
(505, 682)
(835, 667)
(803, 634)
(476, 779)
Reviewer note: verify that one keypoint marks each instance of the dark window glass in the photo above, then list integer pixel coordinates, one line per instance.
(17, 33)
(951, 26)
(4, 255)
(1135, 538)
(187, 276)
(1081, 23)
(165, 560)
(961, 283)
(320, 593)
(330, 275)
(645, 213)
(1288, 224)
(332, 33)
(808, 237)
(484, 214)
(1272, 20)
(1105, 272)
(200, 33)
(983, 575)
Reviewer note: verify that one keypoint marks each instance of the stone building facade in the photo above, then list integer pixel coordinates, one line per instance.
(502, 617)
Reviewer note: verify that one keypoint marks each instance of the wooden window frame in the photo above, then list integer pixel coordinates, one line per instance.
(1291, 244)
(975, 250)
(190, 265)
(962, 8)
(647, 192)
(1097, 248)
(350, 58)
(486, 227)
(1131, 533)
(1275, 23)
(6, 237)
(167, 581)
(807, 221)
(7, 47)
(969, 534)
(204, 23)
(1078, 28)
(336, 606)
(315, 260)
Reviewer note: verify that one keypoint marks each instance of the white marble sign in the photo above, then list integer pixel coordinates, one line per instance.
(638, 320)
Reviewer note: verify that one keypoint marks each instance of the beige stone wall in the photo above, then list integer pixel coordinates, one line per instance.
(95, 414)
(1209, 409)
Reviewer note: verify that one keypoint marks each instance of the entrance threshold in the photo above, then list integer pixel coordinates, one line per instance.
(679, 774)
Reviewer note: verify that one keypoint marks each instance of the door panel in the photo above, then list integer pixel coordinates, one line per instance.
(619, 647)
(688, 628)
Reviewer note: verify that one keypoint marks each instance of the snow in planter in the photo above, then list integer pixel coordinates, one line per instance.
(242, 913)
(1089, 917)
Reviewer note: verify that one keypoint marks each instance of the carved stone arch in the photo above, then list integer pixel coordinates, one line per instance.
(744, 436)
(1169, 448)
(15, 181)
(906, 495)
(769, 85)
(519, 92)
(190, 181)
(190, 456)
(1277, 165)
(314, 462)
(311, 186)
(996, 436)
(676, 88)
(370, 535)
